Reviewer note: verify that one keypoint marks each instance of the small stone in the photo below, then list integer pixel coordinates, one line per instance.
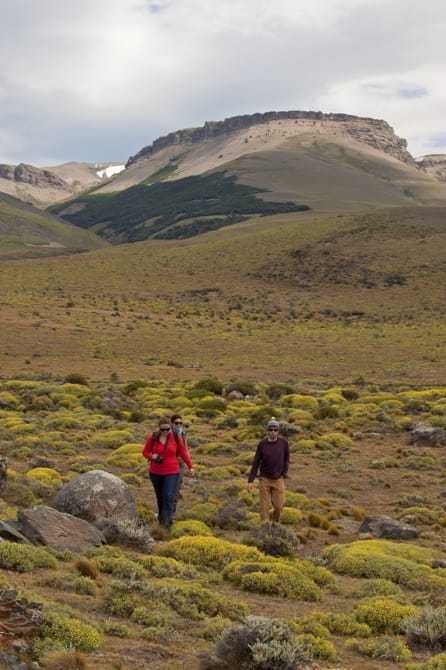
(386, 527)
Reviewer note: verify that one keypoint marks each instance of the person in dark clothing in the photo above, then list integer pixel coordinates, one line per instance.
(162, 450)
(272, 457)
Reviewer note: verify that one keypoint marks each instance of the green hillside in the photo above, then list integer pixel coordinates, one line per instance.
(291, 296)
(28, 232)
(170, 210)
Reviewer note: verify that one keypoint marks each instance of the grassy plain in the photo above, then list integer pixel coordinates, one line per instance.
(290, 297)
(350, 456)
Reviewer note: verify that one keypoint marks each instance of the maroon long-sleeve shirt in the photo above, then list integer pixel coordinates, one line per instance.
(272, 458)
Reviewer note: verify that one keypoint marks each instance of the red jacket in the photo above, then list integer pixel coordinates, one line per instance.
(170, 465)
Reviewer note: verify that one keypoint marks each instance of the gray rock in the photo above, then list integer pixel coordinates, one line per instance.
(97, 495)
(425, 435)
(386, 527)
(8, 531)
(235, 395)
(47, 526)
(439, 563)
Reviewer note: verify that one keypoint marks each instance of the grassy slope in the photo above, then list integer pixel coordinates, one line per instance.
(290, 296)
(28, 232)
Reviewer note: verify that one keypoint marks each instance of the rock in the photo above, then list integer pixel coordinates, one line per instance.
(386, 527)
(425, 435)
(130, 533)
(45, 525)
(20, 622)
(3, 472)
(235, 395)
(439, 563)
(9, 532)
(97, 495)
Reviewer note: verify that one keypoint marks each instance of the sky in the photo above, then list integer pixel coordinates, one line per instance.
(96, 80)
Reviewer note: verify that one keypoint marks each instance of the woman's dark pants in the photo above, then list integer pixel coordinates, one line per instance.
(165, 490)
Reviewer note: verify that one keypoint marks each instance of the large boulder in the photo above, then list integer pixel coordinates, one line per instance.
(425, 435)
(388, 528)
(97, 495)
(45, 525)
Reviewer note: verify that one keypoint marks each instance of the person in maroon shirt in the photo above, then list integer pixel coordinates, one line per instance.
(162, 450)
(272, 457)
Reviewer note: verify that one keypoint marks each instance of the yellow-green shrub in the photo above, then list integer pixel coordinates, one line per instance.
(110, 439)
(9, 400)
(190, 527)
(383, 615)
(291, 516)
(274, 577)
(45, 476)
(334, 441)
(299, 500)
(342, 624)
(301, 417)
(208, 551)
(437, 662)
(24, 558)
(387, 648)
(72, 633)
(317, 647)
(405, 564)
(161, 566)
(128, 456)
(298, 401)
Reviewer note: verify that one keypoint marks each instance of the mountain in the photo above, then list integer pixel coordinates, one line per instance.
(434, 164)
(26, 231)
(44, 186)
(288, 161)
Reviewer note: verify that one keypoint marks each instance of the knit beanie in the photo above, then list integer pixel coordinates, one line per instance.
(273, 423)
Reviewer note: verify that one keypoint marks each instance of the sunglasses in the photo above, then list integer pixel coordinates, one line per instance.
(165, 429)
(178, 423)
(273, 430)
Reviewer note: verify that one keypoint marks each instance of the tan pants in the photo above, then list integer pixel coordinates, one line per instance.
(271, 491)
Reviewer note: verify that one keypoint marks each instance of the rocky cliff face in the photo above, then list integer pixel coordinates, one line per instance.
(435, 165)
(373, 132)
(28, 174)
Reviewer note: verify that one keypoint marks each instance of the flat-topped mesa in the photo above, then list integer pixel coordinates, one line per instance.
(373, 132)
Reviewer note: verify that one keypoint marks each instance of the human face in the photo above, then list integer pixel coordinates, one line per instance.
(273, 434)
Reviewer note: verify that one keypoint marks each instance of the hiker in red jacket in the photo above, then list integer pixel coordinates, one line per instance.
(162, 449)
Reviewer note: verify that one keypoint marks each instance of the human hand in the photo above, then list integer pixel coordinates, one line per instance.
(251, 487)
(192, 472)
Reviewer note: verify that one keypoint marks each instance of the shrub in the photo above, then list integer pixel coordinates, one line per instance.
(71, 632)
(121, 567)
(428, 628)
(159, 566)
(297, 500)
(316, 647)
(190, 527)
(274, 539)
(437, 662)
(116, 629)
(334, 441)
(258, 644)
(243, 387)
(87, 568)
(85, 586)
(210, 385)
(205, 512)
(378, 587)
(276, 391)
(297, 401)
(384, 615)
(24, 558)
(387, 648)
(291, 516)
(128, 456)
(215, 627)
(45, 476)
(343, 624)
(274, 577)
(405, 564)
(147, 617)
(208, 551)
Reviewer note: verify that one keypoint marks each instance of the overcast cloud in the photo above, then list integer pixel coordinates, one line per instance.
(96, 80)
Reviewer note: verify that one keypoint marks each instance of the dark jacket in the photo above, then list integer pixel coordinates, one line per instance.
(272, 458)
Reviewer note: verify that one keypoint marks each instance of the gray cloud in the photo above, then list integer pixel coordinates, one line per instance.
(98, 80)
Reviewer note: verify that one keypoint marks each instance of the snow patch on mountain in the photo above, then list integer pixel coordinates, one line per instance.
(110, 171)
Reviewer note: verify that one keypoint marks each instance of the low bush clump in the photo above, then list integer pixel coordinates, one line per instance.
(275, 577)
(71, 633)
(343, 624)
(121, 567)
(24, 558)
(437, 662)
(387, 648)
(65, 660)
(428, 628)
(384, 615)
(208, 551)
(45, 476)
(160, 566)
(291, 516)
(190, 527)
(316, 647)
(405, 564)
(258, 644)
(274, 539)
(378, 587)
(334, 441)
(215, 627)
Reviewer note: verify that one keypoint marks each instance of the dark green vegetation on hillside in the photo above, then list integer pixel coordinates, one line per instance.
(347, 600)
(26, 231)
(153, 211)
